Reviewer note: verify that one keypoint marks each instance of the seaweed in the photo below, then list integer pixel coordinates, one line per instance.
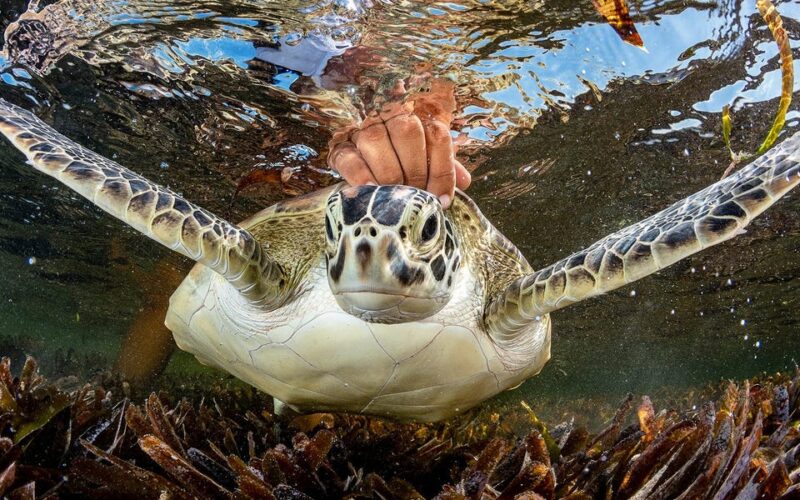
(95, 442)
(774, 21)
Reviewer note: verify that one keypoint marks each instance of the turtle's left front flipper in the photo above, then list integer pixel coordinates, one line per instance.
(706, 218)
(147, 207)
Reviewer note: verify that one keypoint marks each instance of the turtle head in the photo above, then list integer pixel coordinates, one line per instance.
(392, 254)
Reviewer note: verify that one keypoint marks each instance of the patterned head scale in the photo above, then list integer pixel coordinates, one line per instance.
(392, 254)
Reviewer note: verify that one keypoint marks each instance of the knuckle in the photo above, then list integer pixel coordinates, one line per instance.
(372, 133)
(405, 125)
(348, 161)
(340, 136)
(341, 154)
(335, 158)
(343, 147)
(439, 132)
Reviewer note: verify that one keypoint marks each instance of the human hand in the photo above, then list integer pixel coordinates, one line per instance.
(404, 143)
(348, 68)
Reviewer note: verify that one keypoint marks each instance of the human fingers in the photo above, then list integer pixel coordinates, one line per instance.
(463, 177)
(345, 159)
(408, 141)
(376, 148)
(441, 167)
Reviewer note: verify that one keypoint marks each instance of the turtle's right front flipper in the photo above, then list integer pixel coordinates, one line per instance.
(151, 209)
(704, 219)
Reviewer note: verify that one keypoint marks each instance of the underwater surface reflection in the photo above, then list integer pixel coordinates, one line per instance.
(571, 132)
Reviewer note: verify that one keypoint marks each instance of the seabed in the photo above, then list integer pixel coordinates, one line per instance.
(59, 439)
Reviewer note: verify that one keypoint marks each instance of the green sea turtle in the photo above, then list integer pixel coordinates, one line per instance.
(374, 299)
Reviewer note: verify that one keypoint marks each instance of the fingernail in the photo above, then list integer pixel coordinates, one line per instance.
(445, 200)
(370, 183)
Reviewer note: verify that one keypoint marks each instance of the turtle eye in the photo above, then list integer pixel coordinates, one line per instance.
(331, 230)
(429, 229)
(333, 219)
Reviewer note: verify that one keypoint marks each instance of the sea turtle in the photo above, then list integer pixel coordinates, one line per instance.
(373, 299)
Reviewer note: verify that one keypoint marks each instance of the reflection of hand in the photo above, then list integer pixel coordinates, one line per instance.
(405, 143)
(347, 68)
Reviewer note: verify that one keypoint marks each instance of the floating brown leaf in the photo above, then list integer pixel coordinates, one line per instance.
(616, 13)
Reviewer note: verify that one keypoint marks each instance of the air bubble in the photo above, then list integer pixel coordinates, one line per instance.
(31, 261)
(633, 293)
(293, 39)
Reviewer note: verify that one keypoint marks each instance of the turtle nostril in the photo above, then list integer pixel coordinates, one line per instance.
(373, 232)
(358, 231)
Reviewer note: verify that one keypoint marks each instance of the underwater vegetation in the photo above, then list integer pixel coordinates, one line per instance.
(94, 441)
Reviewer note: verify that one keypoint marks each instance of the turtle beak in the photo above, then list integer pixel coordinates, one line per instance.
(369, 301)
(375, 307)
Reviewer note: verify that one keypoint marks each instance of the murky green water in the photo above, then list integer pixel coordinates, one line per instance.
(574, 134)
